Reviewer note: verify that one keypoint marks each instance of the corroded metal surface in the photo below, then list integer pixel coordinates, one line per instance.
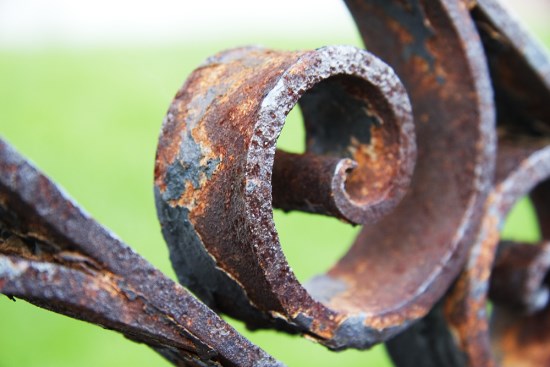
(54, 255)
(220, 152)
(519, 324)
(519, 277)
(457, 332)
(406, 147)
(419, 249)
(525, 165)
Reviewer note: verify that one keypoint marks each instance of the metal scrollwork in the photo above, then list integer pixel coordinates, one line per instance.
(426, 140)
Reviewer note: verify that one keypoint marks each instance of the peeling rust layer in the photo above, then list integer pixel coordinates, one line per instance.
(54, 255)
(518, 331)
(215, 161)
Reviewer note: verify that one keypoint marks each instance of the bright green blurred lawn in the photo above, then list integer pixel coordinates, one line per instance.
(90, 119)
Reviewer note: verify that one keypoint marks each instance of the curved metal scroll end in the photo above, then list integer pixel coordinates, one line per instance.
(523, 166)
(520, 70)
(466, 306)
(57, 257)
(218, 173)
(422, 245)
(519, 279)
(520, 324)
(368, 121)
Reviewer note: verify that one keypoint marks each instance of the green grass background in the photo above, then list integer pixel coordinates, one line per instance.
(90, 119)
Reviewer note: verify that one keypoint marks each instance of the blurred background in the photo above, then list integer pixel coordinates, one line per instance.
(84, 86)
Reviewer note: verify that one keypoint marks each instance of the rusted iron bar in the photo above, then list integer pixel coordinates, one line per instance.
(519, 325)
(519, 278)
(520, 71)
(54, 255)
(311, 182)
(420, 247)
(523, 165)
(457, 332)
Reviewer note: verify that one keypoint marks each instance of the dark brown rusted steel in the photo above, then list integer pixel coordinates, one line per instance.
(519, 277)
(218, 176)
(522, 166)
(55, 256)
(214, 169)
(419, 248)
(520, 71)
(311, 182)
(457, 332)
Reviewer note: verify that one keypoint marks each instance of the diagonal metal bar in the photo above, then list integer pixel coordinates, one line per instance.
(56, 256)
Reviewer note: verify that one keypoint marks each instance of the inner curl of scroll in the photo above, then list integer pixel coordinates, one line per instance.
(359, 154)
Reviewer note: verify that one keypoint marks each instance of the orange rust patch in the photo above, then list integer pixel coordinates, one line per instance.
(371, 180)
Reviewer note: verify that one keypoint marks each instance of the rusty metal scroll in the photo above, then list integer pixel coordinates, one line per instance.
(461, 329)
(426, 140)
